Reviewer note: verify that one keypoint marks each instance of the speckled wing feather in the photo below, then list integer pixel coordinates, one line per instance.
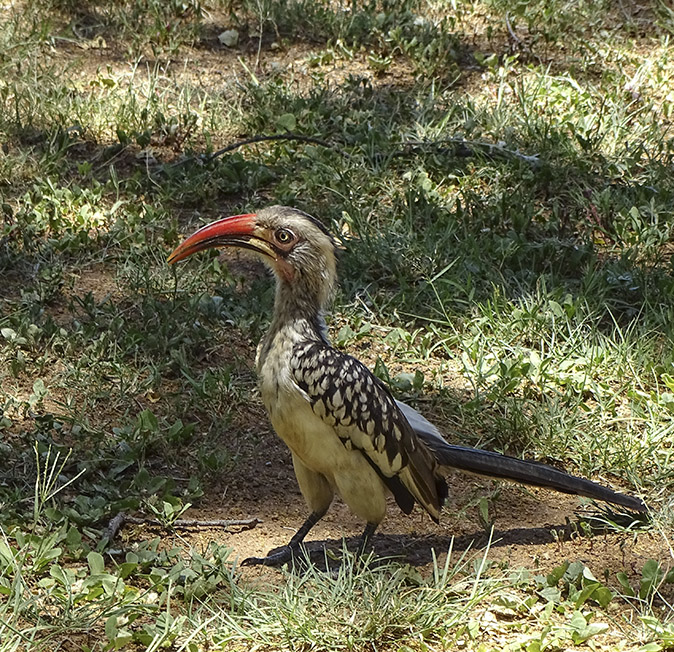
(364, 415)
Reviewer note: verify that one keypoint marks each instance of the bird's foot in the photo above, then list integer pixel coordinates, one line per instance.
(276, 557)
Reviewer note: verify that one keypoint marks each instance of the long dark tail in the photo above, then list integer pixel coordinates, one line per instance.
(496, 465)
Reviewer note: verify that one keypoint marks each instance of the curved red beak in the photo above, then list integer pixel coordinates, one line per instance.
(234, 231)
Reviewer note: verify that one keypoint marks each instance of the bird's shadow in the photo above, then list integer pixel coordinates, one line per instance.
(328, 554)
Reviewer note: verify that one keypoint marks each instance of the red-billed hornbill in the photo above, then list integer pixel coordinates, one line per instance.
(345, 431)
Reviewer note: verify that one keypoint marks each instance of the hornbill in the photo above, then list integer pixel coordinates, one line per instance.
(343, 427)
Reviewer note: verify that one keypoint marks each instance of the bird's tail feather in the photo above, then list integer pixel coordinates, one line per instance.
(496, 465)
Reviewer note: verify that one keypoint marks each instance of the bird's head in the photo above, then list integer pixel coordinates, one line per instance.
(296, 246)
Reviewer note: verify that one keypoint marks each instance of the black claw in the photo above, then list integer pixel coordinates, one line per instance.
(277, 558)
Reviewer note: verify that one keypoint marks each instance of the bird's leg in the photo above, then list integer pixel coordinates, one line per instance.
(285, 554)
(365, 538)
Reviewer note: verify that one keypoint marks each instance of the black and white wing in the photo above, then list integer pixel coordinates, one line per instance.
(345, 394)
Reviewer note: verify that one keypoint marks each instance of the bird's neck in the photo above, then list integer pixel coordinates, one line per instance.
(299, 316)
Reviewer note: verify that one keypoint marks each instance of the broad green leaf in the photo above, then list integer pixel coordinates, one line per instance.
(287, 121)
(96, 563)
(651, 576)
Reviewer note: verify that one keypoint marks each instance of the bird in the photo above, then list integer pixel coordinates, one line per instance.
(346, 432)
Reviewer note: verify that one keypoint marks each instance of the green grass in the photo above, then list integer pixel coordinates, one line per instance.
(500, 177)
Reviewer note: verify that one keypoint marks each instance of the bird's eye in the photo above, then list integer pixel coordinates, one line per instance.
(284, 236)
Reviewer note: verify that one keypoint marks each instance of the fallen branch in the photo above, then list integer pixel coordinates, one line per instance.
(288, 136)
(204, 159)
(461, 147)
(118, 522)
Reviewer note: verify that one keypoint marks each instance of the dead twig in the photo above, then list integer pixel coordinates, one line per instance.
(288, 136)
(463, 147)
(517, 42)
(118, 522)
(204, 159)
(516, 39)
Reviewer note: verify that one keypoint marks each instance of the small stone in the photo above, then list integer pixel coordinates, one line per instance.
(229, 38)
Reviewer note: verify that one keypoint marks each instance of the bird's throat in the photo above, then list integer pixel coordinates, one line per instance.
(298, 317)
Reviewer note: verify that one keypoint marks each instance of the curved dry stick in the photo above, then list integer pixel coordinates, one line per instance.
(117, 523)
(469, 147)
